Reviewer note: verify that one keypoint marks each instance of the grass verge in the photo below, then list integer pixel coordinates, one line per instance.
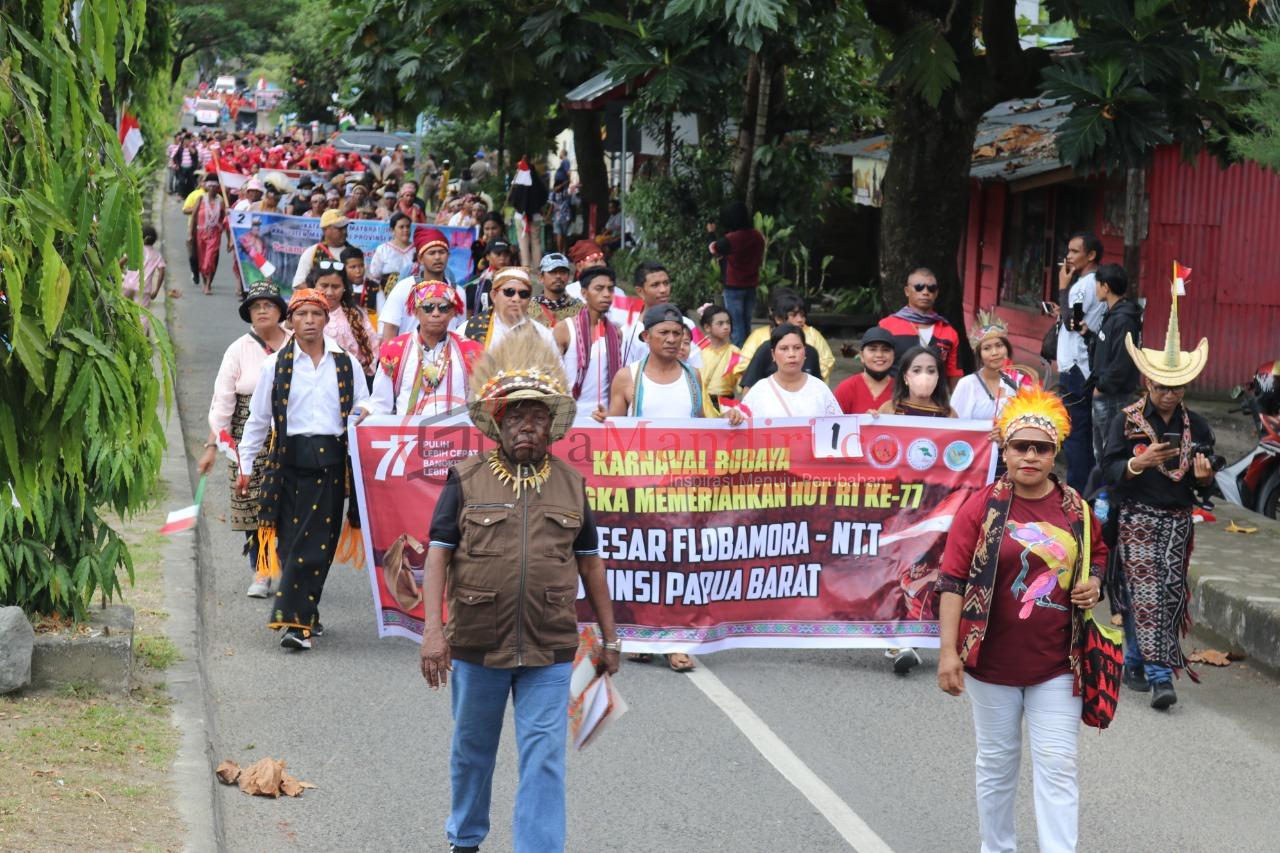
(88, 771)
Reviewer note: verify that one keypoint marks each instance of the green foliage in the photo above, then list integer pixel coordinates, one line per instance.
(79, 429)
(1261, 141)
(157, 652)
(316, 72)
(1146, 73)
(923, 62)
(459, 140)
(227, 31)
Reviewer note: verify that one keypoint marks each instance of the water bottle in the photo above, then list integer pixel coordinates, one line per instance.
(1102, 507)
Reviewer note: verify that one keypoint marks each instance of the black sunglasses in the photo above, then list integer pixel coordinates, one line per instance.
(516, 293)
(921, 288)
(436, 307)
(1023, 446)
(331, 265)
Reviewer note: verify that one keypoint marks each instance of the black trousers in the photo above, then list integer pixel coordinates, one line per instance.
(309, 525)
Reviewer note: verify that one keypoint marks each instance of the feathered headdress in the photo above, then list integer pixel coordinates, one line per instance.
(988, 325)
(521, 367)
(1037, 408)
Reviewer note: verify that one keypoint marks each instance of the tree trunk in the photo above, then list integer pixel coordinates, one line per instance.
(926, 203)
(593, 178)
(668, 140)
(758, 137)
(746, 127)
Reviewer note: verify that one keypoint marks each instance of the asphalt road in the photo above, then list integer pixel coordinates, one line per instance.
(777, 751)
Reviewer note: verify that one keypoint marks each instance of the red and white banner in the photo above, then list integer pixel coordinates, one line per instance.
(799, 533)
(130, 136)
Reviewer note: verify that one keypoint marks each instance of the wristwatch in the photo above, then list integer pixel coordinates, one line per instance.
(615, 646)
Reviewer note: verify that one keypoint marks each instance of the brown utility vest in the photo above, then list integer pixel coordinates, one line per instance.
(513, 579)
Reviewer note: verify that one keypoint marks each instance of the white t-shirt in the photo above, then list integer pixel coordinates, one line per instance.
(768, 399)
(1072, 349)
(501, 330)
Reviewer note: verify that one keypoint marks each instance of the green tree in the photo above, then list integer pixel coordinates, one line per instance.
(1139, 73)
(79, 430)
(1259, 140)
(214, 29)
(316, 71)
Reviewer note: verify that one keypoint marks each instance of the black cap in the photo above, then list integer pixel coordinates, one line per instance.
(876, 335)
(663, 313)
(498, 246)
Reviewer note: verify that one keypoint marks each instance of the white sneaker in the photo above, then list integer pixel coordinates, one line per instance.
(294, 639)
(260, 588)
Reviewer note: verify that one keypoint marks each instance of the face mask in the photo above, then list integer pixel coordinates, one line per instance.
(922, 384)
(877, 375)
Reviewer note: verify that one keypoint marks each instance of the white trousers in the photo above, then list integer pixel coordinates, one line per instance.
(529, 236)
(1053, 723)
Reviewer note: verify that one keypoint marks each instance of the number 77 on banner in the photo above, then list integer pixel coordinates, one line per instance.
(397, 447)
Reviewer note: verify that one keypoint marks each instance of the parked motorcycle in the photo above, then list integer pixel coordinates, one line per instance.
(1253, 481)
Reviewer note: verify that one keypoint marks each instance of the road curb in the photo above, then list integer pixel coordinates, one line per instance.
(194, 788)
(1236, 584)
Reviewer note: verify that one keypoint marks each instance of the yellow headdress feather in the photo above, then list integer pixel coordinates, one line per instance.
(1038, 408)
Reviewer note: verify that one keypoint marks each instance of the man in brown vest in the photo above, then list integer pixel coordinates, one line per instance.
(512, 534)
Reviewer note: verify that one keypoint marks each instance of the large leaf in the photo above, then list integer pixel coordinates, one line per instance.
(55, 285)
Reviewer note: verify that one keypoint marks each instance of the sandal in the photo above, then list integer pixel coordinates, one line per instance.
(641, 657)
(680, 662)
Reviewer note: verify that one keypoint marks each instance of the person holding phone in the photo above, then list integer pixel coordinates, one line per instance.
(1157, 459)
(1113, 376)
(1083, 311)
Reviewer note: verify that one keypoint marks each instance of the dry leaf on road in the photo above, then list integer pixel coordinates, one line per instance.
(228, 772)
(1213, 657)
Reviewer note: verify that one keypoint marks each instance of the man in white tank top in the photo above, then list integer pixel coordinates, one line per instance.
(590, 344)
(659, 385)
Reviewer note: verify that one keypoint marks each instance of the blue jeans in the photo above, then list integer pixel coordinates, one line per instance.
(1106, 407)
(741, 305)
(1133, 657)
(1079, 444)
(540, 696)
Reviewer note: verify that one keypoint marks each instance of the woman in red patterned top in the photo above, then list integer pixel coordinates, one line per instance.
(1011, 620)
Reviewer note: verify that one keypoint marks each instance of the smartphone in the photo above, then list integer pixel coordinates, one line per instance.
(1046, 308)
(1077, 315)
(1173, 439)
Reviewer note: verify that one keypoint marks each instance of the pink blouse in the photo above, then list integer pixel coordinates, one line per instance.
(238, 374)
(339, 328)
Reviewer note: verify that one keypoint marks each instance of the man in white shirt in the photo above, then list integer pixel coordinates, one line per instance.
(431, 248)
(1076, 277)
(333, 231)
(586, 254)
(653, 285)
(511, 294)
(307, 390)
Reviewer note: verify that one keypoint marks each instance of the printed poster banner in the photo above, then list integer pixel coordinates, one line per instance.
(782, 533)
(268, 245)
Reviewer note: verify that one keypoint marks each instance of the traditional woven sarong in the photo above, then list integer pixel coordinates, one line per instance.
(1155, 550)
(244, 511)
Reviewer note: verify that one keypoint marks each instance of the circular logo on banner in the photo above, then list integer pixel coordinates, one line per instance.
(958, 455)
(884, 451)
(922, 454)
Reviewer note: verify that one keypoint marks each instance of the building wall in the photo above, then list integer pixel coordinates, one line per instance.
(1225, 225)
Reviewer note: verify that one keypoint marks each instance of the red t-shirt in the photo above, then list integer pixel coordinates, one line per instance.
(1029, 625)
(945, 341)
(855, 398)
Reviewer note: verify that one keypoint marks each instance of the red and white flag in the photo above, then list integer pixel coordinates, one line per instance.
(1180, 276)
(227, 446)
(130, 136)
(185, 518)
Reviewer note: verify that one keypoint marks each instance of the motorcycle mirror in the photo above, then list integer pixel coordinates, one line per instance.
(1237, 392)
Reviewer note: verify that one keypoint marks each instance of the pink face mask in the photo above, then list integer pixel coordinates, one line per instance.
(922, 384)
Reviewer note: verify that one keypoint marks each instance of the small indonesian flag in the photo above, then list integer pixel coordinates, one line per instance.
(227, 446)
(185, 519)
(1180, 276)
(938, 521)
(229, 178)
(130, 136)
